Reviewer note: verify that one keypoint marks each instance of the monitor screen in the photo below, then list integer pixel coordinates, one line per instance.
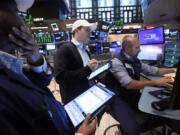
(151, 52)
(88, 102)
(94, 35)
(42, 37)
(54, 27)
(151, 36)
(115, 44)
(166, 31)
(99, 48)
(59, 36)
(103, 36)
(50, 46)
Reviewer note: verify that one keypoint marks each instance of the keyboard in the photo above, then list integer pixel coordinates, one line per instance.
(172, 75)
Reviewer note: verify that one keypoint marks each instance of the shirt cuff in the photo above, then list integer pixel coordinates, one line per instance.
(78, 134)
(39, 69)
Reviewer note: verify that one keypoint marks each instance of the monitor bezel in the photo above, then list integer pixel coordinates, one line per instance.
(151, 29)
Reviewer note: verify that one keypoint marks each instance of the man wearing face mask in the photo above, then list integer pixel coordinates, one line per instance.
(27, 107)
(72, 62)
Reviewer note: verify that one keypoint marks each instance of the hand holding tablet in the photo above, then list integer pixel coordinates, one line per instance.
(88, 127)
(91, 101)
(99, 71)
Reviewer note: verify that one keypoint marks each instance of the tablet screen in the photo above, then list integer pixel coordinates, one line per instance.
(88, 102)
(99, 70)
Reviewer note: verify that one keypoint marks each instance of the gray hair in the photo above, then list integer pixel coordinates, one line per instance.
(127, 42)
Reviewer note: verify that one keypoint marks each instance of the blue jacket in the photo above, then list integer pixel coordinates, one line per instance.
(27, 107)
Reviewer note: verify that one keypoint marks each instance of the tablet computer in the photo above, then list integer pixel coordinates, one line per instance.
(99, 71)
(91, 101)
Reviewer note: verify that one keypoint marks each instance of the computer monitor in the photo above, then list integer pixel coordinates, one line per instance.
(42, 37)
(94, 35)
(115, 44)
(103, 36)
(50, 46)
(115, 47)
(151, 36)
(99, 48)
(151, 52)
(58, 36)
(175, 97)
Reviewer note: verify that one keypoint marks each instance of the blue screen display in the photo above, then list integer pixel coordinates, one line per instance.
(103, 36)
(151, 36)
(115, 44)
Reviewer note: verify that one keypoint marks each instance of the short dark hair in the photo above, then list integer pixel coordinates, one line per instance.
(79, 28)
(127, 42)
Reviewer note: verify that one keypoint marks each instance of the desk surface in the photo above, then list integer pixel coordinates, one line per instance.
(145, 105)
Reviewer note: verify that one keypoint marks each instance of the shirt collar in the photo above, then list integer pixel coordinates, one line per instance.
(11, 62)
(74, 41)
(129, 57)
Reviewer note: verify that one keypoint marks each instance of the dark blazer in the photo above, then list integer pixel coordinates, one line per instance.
(23, 106)
(69, 72)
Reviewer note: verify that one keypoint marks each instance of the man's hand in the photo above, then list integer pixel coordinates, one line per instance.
(87, 128)
(23, 42)
(174, 70)
(165, 81)
(92, 64)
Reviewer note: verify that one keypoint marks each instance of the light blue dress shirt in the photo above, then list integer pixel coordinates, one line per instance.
(82, 52)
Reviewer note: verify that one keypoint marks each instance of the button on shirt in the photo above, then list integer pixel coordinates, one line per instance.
(82, 52)
(120, 73)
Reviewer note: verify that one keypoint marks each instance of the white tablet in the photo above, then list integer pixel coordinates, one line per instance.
(91, 101)
(99, 71)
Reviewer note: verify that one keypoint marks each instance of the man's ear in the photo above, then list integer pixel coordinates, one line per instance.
(76, 30)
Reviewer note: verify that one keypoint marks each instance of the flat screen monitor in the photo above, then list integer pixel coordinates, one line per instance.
(103, 36)
(54, 27)
(115, 44)
(151, 36)
(99, 48)
(151, 52)
(94, 35)
(59, 36)
(42, 37)
(91, 101)
(166, 31)
(50, 46)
